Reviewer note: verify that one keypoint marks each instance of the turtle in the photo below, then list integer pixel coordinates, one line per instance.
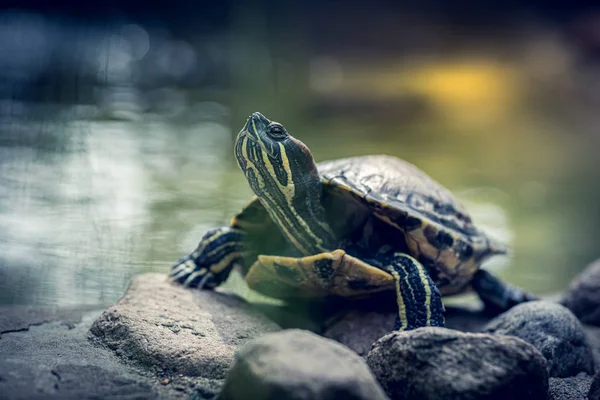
(348, 228)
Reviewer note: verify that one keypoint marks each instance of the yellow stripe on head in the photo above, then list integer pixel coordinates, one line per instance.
(283, 174)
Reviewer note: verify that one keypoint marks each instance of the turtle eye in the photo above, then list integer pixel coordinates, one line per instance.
(276, 131)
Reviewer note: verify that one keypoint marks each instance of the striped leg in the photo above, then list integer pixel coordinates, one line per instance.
(212, 261)
(419, 300)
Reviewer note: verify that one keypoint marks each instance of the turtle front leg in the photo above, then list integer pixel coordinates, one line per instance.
(419, 300)
(212, 261)
(332, 273)
(498, 296)
(340, 274)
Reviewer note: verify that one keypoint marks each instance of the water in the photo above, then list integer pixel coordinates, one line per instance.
(87, 203)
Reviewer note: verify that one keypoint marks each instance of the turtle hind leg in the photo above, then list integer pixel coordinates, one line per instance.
(419, 300)
(212, 261)
(498, 296)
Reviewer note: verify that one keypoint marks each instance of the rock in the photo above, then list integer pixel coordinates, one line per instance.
(20, 318)
(592, 334)
(439, 363)
(553, 330)
(583, 295)
(296, 364)
(594, 393)
(55, 361)
(573, 388)
(176, 330)
(466, 319)
(70, 381)
(292, 316)
(359, 329)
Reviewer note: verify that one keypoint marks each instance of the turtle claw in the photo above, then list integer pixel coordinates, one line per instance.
(198, 279)
(212, 261)
(188, 274)
(181, 270)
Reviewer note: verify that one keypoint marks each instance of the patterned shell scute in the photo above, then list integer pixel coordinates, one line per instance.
(387, 181)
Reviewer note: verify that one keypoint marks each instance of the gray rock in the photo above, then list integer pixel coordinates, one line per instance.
(176, 330)
(291, 316)
(594, 393)
(20, 318)
(553, 330)
(439, 363)
(583, 295)
(359, 329)
(573, 388)
(57, 361)
(69, 381)
(295, 364)
(592, 334)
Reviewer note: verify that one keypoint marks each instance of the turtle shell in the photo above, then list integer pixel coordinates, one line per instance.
(437, 229)
(381, 195)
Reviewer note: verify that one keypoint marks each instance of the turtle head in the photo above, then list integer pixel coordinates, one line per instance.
(275, 163)
(282, 172)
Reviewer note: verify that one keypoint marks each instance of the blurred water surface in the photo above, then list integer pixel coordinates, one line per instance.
(117, 158)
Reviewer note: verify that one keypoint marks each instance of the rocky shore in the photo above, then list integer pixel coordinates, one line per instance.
(161, 341)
